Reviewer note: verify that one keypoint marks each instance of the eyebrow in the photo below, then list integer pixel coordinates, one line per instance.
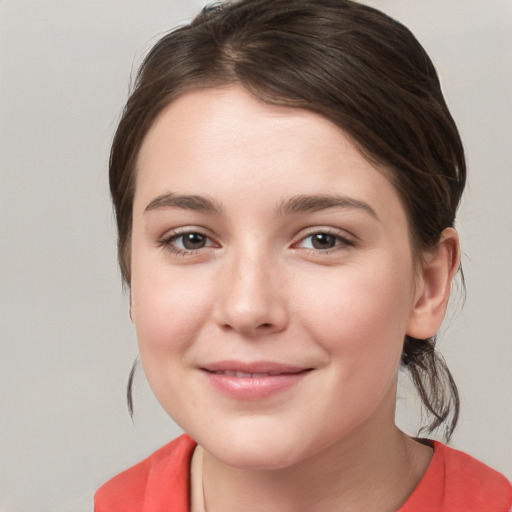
(185, 202)
(295, 204)
(316, 203)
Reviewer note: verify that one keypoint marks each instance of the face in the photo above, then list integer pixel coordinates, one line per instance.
(272, 278)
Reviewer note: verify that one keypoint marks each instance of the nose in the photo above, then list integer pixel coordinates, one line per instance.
(251, 298)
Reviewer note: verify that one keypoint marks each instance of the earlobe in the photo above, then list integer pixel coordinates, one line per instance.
(434, 287)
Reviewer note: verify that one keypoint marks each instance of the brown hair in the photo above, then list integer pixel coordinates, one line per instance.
(353, 65)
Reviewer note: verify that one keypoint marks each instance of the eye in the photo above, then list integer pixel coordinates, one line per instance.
(191, 241)
(187, 242)
(324, 241)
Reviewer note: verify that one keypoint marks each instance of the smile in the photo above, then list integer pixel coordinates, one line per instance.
(253, 381)
(242, 375)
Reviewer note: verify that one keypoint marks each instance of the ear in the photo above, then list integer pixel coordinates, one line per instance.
(433, 287)
(131, 308)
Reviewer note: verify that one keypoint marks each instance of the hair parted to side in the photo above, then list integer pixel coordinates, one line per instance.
(350, 63)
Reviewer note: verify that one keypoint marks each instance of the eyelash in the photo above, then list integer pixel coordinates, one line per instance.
(168, 243)
(341, 242)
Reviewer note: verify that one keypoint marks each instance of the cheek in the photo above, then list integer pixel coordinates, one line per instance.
(360, 318)
(359, 321)
(168, 310)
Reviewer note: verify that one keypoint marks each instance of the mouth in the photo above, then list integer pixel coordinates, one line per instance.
(245, 375)
(253, 381)
(252, 369)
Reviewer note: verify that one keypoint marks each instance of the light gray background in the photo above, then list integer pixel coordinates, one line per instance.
(66, 342)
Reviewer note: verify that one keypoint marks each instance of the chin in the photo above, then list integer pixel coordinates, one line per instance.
(257, 447)
(256, 457)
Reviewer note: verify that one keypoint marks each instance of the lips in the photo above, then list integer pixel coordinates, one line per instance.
(253, 381)
(230, 373)
(253, 368)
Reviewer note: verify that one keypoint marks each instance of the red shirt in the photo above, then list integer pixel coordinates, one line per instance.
(453, 482)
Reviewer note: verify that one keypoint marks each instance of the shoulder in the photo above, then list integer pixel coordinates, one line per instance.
(457, 482)
(161, 478)
(471, 482)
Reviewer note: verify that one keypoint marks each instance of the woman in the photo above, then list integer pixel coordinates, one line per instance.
(285, 177)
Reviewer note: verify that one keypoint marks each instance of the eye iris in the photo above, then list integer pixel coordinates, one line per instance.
(323, 241)
(193, 241)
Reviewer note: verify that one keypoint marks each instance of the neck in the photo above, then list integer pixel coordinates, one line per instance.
(373, 470)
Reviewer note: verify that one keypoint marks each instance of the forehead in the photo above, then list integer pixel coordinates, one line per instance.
(229, 118)
(225, 141)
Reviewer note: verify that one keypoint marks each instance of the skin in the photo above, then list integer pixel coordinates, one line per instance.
(262, 288)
